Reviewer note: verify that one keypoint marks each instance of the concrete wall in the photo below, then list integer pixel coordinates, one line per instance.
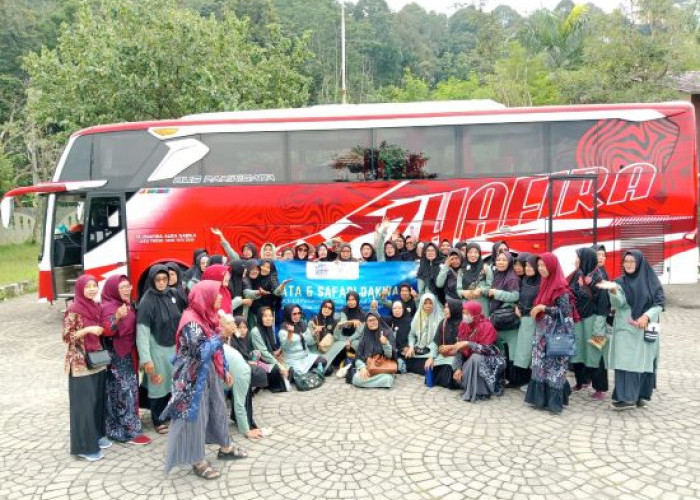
(21, 227)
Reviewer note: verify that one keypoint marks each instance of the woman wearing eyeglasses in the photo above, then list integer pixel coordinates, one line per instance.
(157, 320)
(296, 343)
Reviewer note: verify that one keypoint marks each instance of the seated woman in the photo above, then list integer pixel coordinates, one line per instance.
(407, 296)
(423, 327)
(478, 366)
(296, 342)
(428, 271)
(351, 318)
(323, 324)
(442, 347)
(400, 324)
(265, 342)
(240, 341)
(374, 341)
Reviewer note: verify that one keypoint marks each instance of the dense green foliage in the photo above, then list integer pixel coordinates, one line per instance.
(67, 64)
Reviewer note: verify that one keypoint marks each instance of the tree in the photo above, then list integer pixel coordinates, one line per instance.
(125, 60)
(558, 34)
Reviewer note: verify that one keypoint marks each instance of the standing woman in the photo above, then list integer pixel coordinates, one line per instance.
(428, 271)
(638, 299)
(504, 294)
(529, 287)
(476, 278)
(553, 314)
(86, 387)
(423, 328)
(201, 264)
(376, 340)
(301, 251)
(119, 323)
(175, 284)
(157, 320)
(187, 275)
(265, 342)
(451, 274)
(198, 407)
(345, 253)
(322, 253)
(442, 349)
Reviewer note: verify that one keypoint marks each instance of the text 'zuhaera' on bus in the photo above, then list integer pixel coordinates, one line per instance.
(127, 196)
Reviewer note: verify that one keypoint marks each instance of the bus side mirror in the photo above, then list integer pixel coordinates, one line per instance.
(6, 211)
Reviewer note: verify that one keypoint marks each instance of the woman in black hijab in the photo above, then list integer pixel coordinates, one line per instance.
(638, 299)
(187, 276)
(351, 318)
(498, 247)
(451, 274)
(243, 343)
(249, 251)
(265, 343)
(442, 350)
(529, 286)
(201, 263)
(236, 285)
(504, 294)
(476, 278)
(400, 324)
(390, 253)
(428, 271)
(409, 253)
(368, 253)
(157, 320)
(376, 339)
(176, 286)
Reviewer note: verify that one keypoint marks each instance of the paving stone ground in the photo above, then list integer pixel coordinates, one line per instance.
(408, 442)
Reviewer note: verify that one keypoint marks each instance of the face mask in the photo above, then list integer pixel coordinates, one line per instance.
(467, 319)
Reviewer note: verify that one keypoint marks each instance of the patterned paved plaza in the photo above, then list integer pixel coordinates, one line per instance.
(409, 442)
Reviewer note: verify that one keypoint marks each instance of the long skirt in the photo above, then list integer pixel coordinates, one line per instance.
(632, 387)
(381, 381)
(123, 421)
(415, 365)
(548, 388)
(443, 377)
(186, 440)
(482, 377)
(86, 396)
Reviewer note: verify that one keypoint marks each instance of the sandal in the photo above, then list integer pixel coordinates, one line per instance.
(162, 428)
(206, 471)
(235, 453)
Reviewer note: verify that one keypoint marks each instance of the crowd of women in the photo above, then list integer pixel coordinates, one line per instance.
(477, 325)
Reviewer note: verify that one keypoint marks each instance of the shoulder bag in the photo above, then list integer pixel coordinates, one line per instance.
(504, 318)
(378, 364)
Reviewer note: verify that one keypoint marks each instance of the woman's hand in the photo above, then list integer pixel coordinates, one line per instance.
(247, 302)
(643, 321)
(149, 368)
(383, 339)
(364, 373)
(409, 352)
(228, 379)
(92, 330)
(217, 232)
(517, 312)
(444, 349)
(492, 292)
(290, 332)
(121, 312)
(429, 363)
(467, 294)
(537, 310)
(457, 375)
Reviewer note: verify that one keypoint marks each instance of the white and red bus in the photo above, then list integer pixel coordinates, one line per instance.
(546, 178)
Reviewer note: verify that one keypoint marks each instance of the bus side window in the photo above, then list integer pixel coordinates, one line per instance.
(104, 221)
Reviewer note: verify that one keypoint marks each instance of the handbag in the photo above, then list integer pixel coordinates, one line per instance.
(561, 343)
(97, 359)
(308, 381)
(651, 332)
(378, 364)
(504, 318)
(325, 343)
(421, 351)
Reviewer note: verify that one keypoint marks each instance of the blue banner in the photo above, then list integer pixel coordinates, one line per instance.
(314, 282)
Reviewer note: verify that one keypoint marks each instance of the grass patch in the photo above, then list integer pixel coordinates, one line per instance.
(19, 263)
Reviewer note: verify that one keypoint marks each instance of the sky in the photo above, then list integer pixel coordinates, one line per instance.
(524, 7)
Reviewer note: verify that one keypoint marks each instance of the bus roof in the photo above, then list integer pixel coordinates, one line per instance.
(382, 111)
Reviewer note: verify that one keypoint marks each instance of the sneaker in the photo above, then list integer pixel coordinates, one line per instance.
(92, 457)
(104, 443)
(342, 371)
(140, 440)
(623, 405)
(598, 395)
(523, 388)
(641, 403)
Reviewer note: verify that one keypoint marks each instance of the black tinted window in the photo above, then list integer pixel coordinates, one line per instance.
(328, 155)
(504, 149)
(244, 158)
(77, 165)
(564, 144)
(126, 159)
(428, 150)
